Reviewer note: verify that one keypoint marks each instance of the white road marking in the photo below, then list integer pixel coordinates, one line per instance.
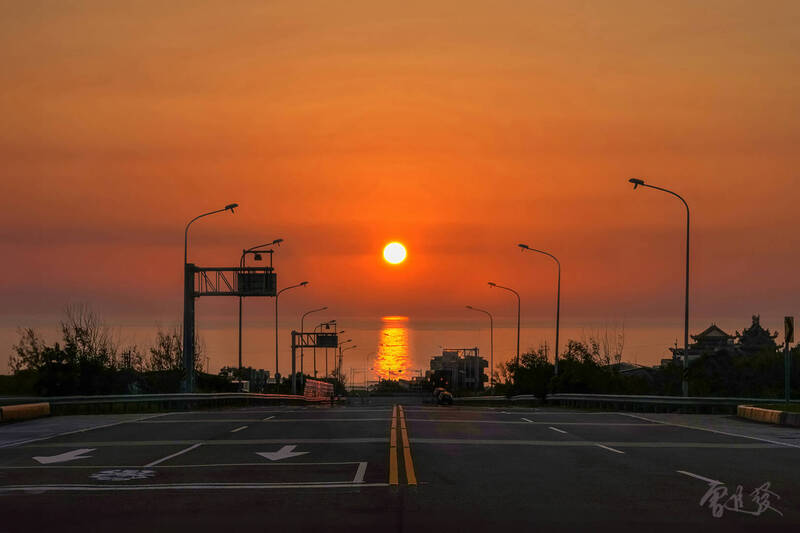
(284, 453)
(609, 448)
(464, 421)
(268, 418)
(211, 465)
(64, 434)
(222, 442)
(556, 429)
(238, 429)
(176, 454)
(707, 480)
(362, 469)
(35, 489)
(64, 457)
(623, 444)
(713, 431)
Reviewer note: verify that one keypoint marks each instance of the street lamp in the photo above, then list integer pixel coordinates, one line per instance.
(558, 297)
(684, 383)
(319, 327)
(256, 251)
(519, 308)
(341, 350)
(302, 319)
(188, 304)
(229, 207)
(491, 343)
(277, 384)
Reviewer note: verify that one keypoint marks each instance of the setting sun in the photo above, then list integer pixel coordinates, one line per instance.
(394, 253)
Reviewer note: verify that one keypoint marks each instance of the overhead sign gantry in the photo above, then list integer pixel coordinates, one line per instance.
(218, 281)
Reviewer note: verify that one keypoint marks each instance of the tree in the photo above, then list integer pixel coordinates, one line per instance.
(533, 374)
(30, 352)
(167, 352)
(88, 337)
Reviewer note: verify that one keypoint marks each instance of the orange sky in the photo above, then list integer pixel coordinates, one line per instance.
(458, 128)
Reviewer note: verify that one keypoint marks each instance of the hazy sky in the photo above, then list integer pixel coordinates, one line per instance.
(458, 128)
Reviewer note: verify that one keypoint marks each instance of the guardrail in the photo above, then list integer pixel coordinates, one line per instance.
(129, 403)
(621, 402)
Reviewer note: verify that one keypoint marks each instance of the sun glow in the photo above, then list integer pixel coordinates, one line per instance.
(394, 253)
(393, 360)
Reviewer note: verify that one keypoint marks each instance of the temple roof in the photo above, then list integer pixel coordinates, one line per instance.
(712, 331)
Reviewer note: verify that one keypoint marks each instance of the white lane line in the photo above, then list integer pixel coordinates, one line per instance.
(609, 448)
(556, 429)
(287, 420)
(707, 480)
(84, 430)
(563, 423)
(189, 486)
(712, 431)
(268, 418)
(223, 442)
(362, 469)
(212, 465)
(238, 429)
(176, 454)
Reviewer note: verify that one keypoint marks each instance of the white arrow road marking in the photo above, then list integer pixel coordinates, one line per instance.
(66, 456)
(283, 453)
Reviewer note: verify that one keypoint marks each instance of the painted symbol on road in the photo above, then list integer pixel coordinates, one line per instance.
(64, 457)
(122, 475)
(283, 453)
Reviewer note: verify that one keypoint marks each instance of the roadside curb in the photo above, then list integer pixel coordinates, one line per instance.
(25, 411)
(768, 416)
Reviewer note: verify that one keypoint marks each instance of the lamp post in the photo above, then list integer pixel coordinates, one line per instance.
(188, 302)
(319, 326)
(558, 295)
(334, 352)
(256, 251)
(519, 308)
(491, 343)
(302, 319)
(277, 294)
(684, 383)
(339, 366)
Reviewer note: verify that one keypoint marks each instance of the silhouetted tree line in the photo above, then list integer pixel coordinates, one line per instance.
(585, 367)
(89, 360)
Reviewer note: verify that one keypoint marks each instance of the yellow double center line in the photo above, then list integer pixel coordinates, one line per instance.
(411, 478)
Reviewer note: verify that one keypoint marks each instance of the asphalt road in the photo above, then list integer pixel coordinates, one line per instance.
(386, 468)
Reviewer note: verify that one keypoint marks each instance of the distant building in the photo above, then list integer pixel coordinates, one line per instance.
(756, 338)
(458, 368)
(713, 339)
(250, 380)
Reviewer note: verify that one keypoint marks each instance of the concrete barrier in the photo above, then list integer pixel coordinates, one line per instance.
(24, 411)
(768, 416)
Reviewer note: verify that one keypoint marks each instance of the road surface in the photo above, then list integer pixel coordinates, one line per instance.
(398, 468)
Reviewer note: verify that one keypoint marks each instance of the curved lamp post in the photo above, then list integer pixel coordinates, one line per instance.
(341, 350)
(684, 383)
(519, 308)
(301, 284)
(558, 295)
(302, 319)
(188, 302)
(491, 343)
(256, 251)
(319, 327)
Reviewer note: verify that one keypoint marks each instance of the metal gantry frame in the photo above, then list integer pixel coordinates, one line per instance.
(218, 281)
(305, 339)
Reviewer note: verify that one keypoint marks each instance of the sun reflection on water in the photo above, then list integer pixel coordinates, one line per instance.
(392, 360)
